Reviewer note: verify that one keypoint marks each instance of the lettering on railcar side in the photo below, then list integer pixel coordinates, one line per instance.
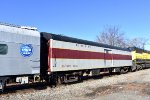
(69, 66)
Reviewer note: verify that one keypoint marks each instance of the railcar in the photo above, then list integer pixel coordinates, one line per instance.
(19, 54)
(67, 59)
(140, 58)
(27, 55)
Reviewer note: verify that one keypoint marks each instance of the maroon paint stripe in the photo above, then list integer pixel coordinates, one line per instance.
(76, 54)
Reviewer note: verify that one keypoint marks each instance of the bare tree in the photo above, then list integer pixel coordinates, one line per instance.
(138, 42)
(112, 36)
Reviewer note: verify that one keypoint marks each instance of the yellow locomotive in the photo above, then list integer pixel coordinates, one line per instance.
(140, 58)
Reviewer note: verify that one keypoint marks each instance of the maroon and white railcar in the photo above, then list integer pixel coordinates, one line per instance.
(67, 58)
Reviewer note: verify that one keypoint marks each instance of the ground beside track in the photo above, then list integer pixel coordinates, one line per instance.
(131, 86)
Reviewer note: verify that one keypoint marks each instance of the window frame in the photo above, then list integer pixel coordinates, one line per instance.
(5, 49)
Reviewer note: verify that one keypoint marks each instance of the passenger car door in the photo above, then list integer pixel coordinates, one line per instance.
(108, 58)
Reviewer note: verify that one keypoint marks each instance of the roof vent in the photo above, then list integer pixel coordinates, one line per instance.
(29, 28)
(11, 25)
(18, 26)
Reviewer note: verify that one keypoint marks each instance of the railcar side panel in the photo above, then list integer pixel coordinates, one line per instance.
(23, 51)
(74, 56)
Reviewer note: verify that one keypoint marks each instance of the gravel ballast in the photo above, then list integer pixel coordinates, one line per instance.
(131, 86)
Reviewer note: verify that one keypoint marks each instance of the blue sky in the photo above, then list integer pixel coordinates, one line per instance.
(79, 18)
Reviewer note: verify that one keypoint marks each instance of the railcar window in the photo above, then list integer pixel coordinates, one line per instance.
(3, 49)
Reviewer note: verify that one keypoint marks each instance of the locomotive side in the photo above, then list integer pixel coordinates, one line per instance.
(69, 58)
(140, 58)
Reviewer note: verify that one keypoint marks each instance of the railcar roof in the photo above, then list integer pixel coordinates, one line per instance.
(81, 41)
(139, 50)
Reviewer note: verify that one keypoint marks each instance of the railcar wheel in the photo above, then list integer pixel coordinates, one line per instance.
(52, 80)
(110, 71)
(133, 68)
(80, 78)
(122, 71)
(138, 67)
(2, 85)
(60, 80)
(141, 67)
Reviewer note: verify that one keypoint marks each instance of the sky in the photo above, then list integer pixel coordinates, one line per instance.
(83, 19)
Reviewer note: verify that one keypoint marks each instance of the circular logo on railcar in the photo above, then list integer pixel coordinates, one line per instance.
(26, 50)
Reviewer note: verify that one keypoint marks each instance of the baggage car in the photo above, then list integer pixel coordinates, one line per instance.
(69, 58)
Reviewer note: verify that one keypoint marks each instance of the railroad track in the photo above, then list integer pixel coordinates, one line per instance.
(28, 88)
(132, 85)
